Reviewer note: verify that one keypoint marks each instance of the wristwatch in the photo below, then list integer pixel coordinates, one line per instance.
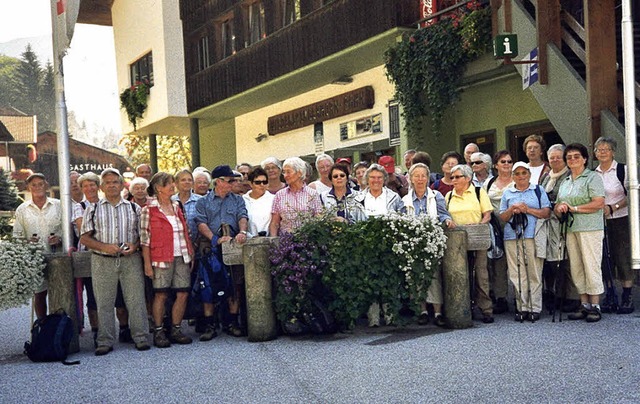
(243, 232)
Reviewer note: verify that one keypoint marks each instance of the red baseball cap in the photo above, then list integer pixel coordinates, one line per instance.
(388, 163)
(345, 160)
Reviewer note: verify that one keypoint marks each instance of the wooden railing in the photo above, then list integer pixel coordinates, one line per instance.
(569, 34)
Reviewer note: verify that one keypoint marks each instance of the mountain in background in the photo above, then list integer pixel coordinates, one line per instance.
(80, 128)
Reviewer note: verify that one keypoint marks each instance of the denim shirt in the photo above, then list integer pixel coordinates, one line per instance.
(213, 211)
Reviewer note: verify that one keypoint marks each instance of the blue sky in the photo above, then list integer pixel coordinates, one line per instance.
(90, 79)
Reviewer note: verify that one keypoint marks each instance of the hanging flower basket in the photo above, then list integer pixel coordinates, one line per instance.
(21, 272)
(134, 101)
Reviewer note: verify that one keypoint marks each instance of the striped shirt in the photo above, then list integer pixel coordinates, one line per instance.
(292, 206)
(112, 224)
(178, 232)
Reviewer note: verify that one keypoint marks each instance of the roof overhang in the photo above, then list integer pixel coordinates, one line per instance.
(95, 12)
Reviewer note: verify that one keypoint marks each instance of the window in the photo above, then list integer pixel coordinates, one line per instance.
(255, 23)
(227, 38)
(291, 11)
(394, 123)
(142, 70)
(203, 53)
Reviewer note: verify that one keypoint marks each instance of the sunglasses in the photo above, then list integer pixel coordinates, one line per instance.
(455, 177)
(261, 182)
(506, 161)
(338, 176)
(473, 163)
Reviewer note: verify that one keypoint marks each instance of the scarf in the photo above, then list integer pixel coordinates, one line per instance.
(553, 178)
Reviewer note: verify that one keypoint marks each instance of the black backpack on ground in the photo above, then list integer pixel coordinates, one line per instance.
(50, 338)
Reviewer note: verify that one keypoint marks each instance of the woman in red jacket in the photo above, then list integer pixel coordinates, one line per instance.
(167, 254)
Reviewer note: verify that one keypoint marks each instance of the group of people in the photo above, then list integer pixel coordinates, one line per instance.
(145, 238)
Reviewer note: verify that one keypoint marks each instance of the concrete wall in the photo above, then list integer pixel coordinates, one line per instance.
(142, 26)
(300, 142)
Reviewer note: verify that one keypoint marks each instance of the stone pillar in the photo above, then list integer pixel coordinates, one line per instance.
(261, 317)
(455, 281)
(61, 293)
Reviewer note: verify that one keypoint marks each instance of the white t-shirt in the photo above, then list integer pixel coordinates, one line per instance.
(259, 211)
(535, 173)
(320, 187)
(375, 206)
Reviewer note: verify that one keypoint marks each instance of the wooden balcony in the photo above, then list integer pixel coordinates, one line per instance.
(321, 33)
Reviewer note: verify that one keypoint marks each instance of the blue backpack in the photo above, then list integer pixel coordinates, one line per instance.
(50, 339)
(213, 282)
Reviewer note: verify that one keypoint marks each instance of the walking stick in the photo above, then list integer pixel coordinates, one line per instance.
(611, 299)
(516, 224)
(560, 290)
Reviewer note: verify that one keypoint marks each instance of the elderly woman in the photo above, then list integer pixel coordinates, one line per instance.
(358, 171)
(378, 200)
(187, 199)
(423, 201)
(293, 201)
(138, 190)
(617, 217)
(502, 162)
(534, 146)
(582, 195)
(259, 203)
(201, 182)
(448, 160)
(273, 167)
(324, 162)
(340, 197)
(481, 165)
(555, 243)
(470, 205)
(167, 253)
(522, 205)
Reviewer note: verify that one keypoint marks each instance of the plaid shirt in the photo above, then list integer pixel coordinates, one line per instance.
(146, 233)
(292, 206)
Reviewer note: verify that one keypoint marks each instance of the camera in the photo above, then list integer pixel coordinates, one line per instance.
(124, 247)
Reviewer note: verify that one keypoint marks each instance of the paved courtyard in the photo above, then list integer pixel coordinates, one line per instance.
(501, 362)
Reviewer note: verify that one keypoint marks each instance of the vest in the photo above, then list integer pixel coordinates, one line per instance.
(161, 231)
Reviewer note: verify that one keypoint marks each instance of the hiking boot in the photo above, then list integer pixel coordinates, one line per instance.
(160, 339)
(593, 316)
(209, 333)
(580, 314)
(124, 335)
(533, 317)
(501, 306)
(439, 321)
(423, 319)
(178, 337)
(521, 316)
(627, 305)
(103, 350)
(487, 318)
(233, 330)
(143, 346)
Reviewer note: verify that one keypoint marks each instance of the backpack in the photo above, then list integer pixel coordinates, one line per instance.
(620, 174)
(213, 282)
(50, 339)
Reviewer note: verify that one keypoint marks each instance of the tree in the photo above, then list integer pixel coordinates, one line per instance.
(8, 68)
(27, 83)
(47, 101)
(8, 192)
(174, 152)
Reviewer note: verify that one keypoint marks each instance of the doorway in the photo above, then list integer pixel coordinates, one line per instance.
(517, 136)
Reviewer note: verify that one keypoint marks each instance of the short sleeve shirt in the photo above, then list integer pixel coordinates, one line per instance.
(466, 208)
(290, 205)
(580, 191)
(511, 196)
(30, 220)
(213, 211)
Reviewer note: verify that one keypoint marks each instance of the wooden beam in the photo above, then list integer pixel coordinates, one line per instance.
(548, 21)
(600, 48)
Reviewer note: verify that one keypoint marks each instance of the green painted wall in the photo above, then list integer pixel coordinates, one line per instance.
(217, 143)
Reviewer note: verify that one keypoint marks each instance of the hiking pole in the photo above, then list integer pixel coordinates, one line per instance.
(611, 299)
(566, 221)
(514, 223)
(523, 225)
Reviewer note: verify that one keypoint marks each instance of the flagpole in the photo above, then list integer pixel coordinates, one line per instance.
(62, 129)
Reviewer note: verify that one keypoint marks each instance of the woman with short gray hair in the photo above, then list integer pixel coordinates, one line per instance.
(324, 162)
(481, 166)
(293, 202)
(273, 167)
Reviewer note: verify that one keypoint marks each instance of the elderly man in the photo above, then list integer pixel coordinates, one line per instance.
(144, 171)
(221, 207)
(39, 221)
(110, 229)
(469, 150)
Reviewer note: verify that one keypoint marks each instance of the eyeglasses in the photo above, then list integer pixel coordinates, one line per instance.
(455, 177)
(473, 163)
(574, 156)
(506, 161)
(229, 181)
(261, 182)
(338, 176)
(602, 150)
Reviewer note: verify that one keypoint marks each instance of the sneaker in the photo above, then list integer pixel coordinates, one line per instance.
(143, 346)
(487, 318)
(160, 339)
(423, 319)
(178, 337)
(627, 306)
(533, 317)
(521, 316)
(124, 335)
(103, 350)
(439, 321)
(501, 306)
(594, 315)
(580, 314)
(209, 333)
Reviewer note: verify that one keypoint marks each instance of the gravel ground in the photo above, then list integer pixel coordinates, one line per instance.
(501, 362)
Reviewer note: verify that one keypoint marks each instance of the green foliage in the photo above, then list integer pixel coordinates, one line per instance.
(9, 199)
(385, 259)
(8, 68)
(134, 101)
(427, 66)
(175, 151)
